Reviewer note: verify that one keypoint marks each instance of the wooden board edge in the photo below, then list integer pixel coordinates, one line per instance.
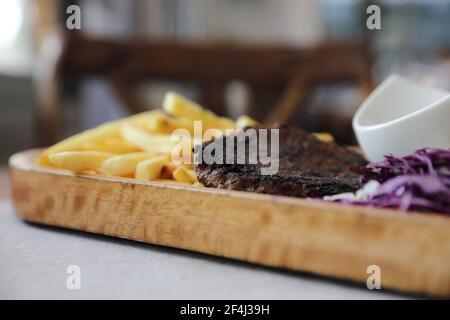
(306, 243)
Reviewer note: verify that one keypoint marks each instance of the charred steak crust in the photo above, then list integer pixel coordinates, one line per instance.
(307, 168)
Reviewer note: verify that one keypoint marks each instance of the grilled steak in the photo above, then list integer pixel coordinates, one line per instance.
(307, 167)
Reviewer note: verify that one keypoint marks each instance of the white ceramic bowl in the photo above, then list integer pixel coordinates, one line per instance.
(400, 117)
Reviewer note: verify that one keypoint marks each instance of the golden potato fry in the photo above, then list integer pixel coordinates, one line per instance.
(177, 105)
(143, 146)
(189, 166)
(78, 161)
(182, 174)
(245, 121)
(143, 123)
(114, 145)
(160, 123)
(192, 175)
(124, 164)
(163, 124)
(198, 184)
(150, 169)
(146, 141)
(324, 136)
(89, 172)
(170, 167)
(119, 146)
(95, 135)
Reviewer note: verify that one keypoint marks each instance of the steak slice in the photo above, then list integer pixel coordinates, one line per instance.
(307, 167)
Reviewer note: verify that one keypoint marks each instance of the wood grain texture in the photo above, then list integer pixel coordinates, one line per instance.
(412, 250)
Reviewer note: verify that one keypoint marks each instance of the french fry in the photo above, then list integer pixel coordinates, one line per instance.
(78, 161)
(143, 123)
(143, 146)
(150, 169)
(119, 146)
(170, 167)
(95, 135)
(124, 164)
(189, 166)
(114, 145)
(90, 172)
(198, 184)
(245, 121)
(148, 142)
(162, 123)
(324, 136)
(182, 174)
(177, 105)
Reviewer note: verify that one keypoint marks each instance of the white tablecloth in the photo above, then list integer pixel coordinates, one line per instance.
(34, 261)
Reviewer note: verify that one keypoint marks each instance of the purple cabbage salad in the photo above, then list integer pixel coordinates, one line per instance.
(417, 182)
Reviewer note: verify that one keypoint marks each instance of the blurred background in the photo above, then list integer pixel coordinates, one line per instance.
(309, 62)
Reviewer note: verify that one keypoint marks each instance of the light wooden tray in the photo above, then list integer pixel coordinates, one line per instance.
(412, 250)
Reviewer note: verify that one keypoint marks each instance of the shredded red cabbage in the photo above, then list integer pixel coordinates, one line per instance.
(417, 182)
(423, 161)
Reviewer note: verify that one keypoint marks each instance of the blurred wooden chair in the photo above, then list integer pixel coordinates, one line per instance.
(291, 71)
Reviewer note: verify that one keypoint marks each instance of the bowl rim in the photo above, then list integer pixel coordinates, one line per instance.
(366, 106)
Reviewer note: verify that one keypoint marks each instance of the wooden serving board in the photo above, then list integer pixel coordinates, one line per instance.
(412, 250)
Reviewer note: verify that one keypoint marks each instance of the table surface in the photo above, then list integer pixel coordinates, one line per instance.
(34, 261)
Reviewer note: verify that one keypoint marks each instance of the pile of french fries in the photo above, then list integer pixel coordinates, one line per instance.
(140, 146)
